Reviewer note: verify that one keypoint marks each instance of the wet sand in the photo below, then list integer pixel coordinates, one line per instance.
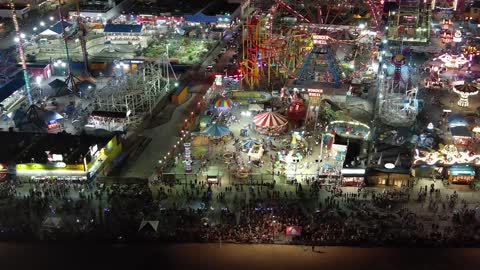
(228, 256)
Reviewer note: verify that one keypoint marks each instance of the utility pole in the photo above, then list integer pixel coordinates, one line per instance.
(21, 53)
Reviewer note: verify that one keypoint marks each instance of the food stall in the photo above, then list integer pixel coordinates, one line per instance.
(461, 174)
(461, 135)
(353, 177)
(255, 152)
(381, 176)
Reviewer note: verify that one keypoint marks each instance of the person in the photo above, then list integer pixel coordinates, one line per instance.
(313, 248)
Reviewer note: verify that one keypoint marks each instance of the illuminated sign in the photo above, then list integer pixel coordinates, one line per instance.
(53, 125)
(315, 92)
(320, 39)
(55, 157)
(353, 171)
(457, 37)
(218, 80)
(59, 165)
(187, 157)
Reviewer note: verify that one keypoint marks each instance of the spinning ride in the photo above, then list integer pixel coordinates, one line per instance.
(464, 90)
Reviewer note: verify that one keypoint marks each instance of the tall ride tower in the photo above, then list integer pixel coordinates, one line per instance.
(19, 38)
(410, 23)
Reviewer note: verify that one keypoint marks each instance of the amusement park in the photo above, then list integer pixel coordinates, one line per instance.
(332, 112)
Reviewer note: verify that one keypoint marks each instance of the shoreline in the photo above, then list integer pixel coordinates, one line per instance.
(231, 256)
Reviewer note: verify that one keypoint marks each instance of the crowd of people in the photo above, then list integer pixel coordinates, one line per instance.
(200, 212)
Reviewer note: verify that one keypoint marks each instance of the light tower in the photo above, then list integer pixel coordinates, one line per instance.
(19, 38)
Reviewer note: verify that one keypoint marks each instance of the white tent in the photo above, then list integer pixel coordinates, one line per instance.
(52, 223)
(153, 224)
(255, 107)
(49, 32)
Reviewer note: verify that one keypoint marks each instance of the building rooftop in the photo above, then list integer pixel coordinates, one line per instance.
(11, 87)
(461, 131)
(22, 147)
(57, 27)
(123, 28)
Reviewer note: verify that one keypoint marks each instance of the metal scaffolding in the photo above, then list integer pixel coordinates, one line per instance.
(136, 93)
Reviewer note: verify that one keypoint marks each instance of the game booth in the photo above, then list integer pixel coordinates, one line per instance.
(461, 174)
(255, 152)
(381, 176)
(353, 177)
(107, 120)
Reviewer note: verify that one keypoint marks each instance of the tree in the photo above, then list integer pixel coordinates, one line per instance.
(327, 114)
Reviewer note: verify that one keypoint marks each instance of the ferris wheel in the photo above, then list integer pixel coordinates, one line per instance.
(331, 12)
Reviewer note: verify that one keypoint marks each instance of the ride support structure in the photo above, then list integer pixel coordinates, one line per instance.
(267, 54)
(21, 53)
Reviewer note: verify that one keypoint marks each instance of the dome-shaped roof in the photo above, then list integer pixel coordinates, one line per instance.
(466, 88)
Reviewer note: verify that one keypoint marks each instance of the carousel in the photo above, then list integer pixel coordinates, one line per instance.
(223, 104)
(451, 61)
(270, 123)
(464, 90)
(217, 132)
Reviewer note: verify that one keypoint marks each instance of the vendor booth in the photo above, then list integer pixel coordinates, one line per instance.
(353, 177)
(396, 177)
(255, 152)
(461, 174)
(461, 135)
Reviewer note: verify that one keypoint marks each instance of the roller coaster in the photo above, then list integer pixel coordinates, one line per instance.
(278, 42)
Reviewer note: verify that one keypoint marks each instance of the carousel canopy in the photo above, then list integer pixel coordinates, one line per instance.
(270, 120)
(216, 131)
(466, 88)
(223, 103)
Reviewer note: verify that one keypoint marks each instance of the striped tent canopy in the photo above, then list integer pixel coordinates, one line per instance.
(269, 120)
(223, 104)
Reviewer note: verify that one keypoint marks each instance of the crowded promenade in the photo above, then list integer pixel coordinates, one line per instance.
(252, 213)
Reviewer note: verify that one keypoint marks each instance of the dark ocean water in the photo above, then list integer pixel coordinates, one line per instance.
(227, 256)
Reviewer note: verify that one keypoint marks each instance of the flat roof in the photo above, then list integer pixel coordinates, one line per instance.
(22, 147)
(11, 87)
(123, 28)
